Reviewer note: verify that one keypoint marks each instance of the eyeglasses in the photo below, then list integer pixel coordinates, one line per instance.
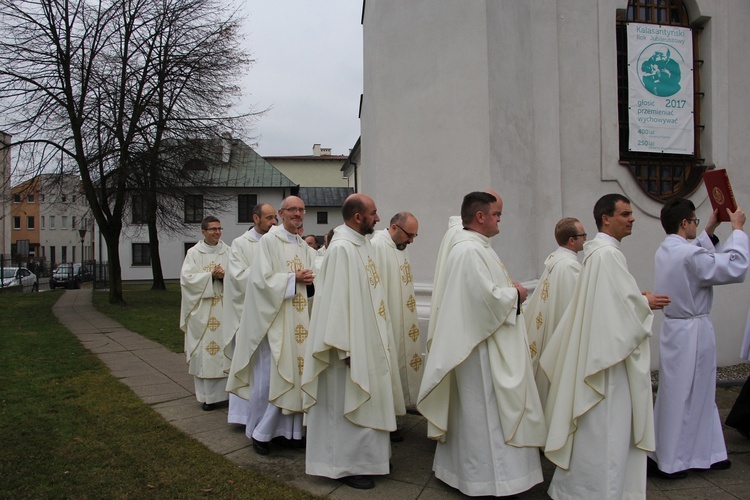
(294, 210)
(696, 220)
(410, 235)
(214, 229)
(582, 235)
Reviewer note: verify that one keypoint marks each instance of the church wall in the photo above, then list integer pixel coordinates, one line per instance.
(521, 97)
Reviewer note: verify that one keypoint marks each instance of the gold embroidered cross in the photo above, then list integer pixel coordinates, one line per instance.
(372, 273)
(210, 267)
(381, 310)
(539, 320)
(413, 333)
(299, 302)
(416, 362)
(300, 364)
(215, 301)
(533, 349)
(411, 304)
(213, 324)
(300, 334)
(406, 276)
(213, 348)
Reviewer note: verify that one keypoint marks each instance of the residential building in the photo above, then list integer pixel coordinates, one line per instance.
(48, 213)
(320, 169)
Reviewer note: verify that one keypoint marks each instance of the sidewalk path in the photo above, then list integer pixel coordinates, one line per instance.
(160, 378)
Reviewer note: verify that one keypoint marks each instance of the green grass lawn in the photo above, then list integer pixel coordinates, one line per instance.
(153, 314)
(70, 430)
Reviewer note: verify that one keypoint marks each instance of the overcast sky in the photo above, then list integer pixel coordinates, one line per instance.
(307, 70)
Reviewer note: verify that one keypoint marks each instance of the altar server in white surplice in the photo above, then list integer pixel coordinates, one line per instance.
(688, 427)
(347, 380)
(599, 410)
(552, 294)
(478, 393)
(392, 261)
(235, 285)
(275, 320)
(201, 313)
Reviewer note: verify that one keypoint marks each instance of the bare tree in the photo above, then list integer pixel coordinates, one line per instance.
(106, 82)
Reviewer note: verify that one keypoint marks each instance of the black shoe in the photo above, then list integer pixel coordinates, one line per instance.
(261, 447)
(358, 482)
(723, 465)
(208, 406)
(681, 474)
(396, 436)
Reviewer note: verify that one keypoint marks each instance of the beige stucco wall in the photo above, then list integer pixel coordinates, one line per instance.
(520, 97)
(312, 171)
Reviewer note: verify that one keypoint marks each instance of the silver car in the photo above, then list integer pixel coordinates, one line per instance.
(14, 276)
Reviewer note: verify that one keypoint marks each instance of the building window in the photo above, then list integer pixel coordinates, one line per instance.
(41, 198)
(662, 176)
(73, 222)
(41, 218)
(64, 251)
(52, 222)
(245, 205)
(188, 246)
(16, 222)
(64, 199)
(17, 198)
(322, 217)
(30, 198)
(30, 222)
(141, 254)
(193, 208)
(73, 252)
(138, 207)
(64, 222)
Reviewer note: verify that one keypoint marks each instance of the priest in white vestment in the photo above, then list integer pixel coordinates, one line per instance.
(687, 423)
(347, 380)
(275, 319)
(392, 261)
(552, 294)
(235, 285)
(599, 410)
(478, 393)
(201, 313)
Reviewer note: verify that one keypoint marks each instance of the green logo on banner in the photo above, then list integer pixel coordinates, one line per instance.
(659, 71)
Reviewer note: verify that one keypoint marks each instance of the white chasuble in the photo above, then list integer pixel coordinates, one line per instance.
(454, 228)
(398, 283)
(271, 312)
(599, 410)
(546, 306)
(478, 393)
(201, 310)
(350, 409)
(235, 284)
(688, 427)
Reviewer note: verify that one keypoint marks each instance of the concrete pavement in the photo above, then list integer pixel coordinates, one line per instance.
(160, 378)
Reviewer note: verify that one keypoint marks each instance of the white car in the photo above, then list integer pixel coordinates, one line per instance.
(14, 276)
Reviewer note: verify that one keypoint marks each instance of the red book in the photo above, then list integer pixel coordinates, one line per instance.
(720, 192)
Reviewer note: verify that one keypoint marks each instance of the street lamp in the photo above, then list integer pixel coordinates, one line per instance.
(82, 232)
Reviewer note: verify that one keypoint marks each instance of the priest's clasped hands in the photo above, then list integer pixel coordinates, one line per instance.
(304, 276)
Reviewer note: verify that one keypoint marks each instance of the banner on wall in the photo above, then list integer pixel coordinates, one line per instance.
(660, 82)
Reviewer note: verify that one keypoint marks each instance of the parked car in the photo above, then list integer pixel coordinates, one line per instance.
(70, 276)
(14, 276)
